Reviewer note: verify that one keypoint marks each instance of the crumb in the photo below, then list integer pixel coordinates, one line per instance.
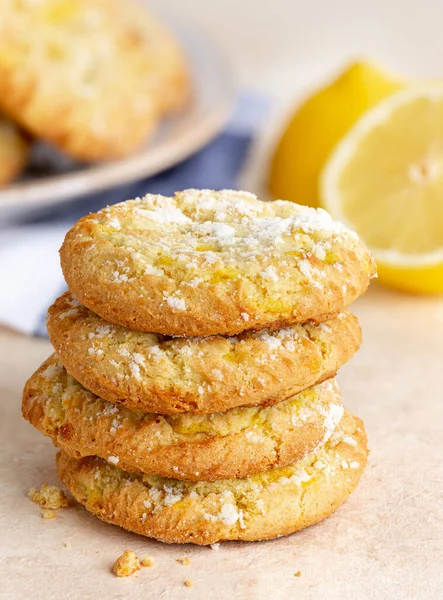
(298, 574)
(184, 561)
(49, 496)
(49, 513)
(147, 561)
(67, 544)
(188, 583)
(126, 564)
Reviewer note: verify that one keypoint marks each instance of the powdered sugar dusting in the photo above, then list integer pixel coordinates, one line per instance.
(115, 223)
(51, 371)
(123, 352)
(215, 230)
(175, 301)
(135, 370)
(255, 438)
(319, 252)
(229, 514)
(171, 496)
(271, 341)
(301, 476)
(150, 270)
(139, 359)
(237, 222)
(347, 439)
(332, 419)
(165, 214)
(270, 273)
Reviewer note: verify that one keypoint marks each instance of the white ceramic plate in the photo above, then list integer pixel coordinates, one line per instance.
(177, 137)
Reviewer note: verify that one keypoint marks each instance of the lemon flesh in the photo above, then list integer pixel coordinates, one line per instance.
(318, 125)
(385, 180)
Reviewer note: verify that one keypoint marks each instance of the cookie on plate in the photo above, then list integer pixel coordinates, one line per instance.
(204, 263)
(91, 76)
(235, 443)
(150, 372)
(266, 505)
(14, 151)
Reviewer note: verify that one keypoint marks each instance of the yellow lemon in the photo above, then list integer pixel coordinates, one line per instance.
(385, 181)
(319, 124)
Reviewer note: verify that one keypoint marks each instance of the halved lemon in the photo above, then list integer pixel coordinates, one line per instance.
(385, 181)
(319, 123)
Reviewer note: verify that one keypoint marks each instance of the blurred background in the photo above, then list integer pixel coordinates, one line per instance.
(256, 95)
(283, 47)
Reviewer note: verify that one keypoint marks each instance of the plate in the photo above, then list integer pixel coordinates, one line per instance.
(176, 138)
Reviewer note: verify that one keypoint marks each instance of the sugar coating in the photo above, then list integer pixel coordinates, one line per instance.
(228, 219)
(175, 302)
(332, 419)
(272, 341)
(270, 273)
(52, 370)
(115, 223)
(349, 440)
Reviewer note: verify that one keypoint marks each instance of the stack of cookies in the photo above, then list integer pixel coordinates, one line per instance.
(192, 393)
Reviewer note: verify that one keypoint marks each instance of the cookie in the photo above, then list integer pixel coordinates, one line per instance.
(204, 263)
(93, 77)
(266, 505)
(150, 372)
(14, 151)
(235, 443)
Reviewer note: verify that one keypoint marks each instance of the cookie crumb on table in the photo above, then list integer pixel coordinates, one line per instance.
(184, 561)
(49, 496)
(126, 564)
(189, 583)
(147, 561)
(298, 574)
(49, 513)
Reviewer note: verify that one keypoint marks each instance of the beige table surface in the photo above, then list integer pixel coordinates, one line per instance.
(386, 542)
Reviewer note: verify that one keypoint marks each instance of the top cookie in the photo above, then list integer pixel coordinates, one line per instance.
(90, 76)
(205, 263)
